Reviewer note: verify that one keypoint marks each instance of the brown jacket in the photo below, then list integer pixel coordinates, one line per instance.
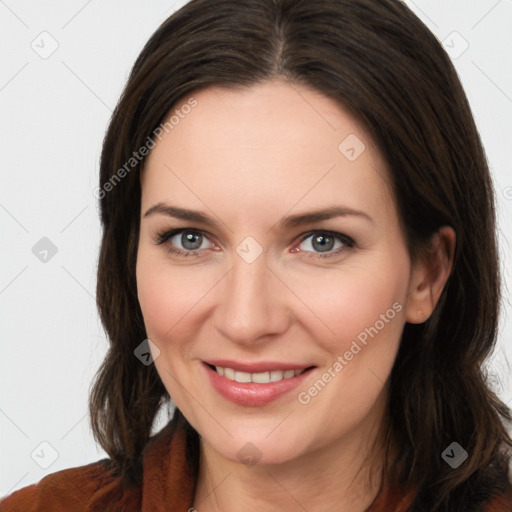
(168, 486)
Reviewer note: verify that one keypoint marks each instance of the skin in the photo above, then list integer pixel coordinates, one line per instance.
(247, 158)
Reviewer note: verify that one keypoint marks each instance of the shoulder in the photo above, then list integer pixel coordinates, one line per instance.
(398, 499)
(72, 489)
(97, 487)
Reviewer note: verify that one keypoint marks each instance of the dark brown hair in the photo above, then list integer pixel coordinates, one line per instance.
(379, 61)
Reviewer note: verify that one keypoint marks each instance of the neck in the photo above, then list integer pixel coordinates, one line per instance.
(343, 476)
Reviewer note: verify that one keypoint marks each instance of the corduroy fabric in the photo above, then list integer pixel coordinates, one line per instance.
(168, 486)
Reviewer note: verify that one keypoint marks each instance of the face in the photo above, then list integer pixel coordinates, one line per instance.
(316, 305)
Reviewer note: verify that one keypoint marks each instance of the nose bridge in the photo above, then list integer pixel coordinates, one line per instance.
(248, 308)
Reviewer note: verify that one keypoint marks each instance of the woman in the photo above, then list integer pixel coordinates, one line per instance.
(299, 249)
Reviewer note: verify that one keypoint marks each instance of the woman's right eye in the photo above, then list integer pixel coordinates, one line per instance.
(188, 238)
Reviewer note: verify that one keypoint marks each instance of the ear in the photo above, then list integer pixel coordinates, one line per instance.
(429, 276)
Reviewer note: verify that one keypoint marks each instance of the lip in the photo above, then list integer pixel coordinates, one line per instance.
(252, 394)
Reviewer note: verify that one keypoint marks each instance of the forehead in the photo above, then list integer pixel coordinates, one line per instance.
(253, 116)
(272, 143)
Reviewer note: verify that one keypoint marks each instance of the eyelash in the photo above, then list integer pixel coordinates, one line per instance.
(164, 236)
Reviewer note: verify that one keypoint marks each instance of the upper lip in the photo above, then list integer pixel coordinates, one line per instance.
(259, 367)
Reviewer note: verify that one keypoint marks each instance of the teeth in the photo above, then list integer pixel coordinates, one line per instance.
(243, 377)
(276, 375)
(229, 373)
(259, 378)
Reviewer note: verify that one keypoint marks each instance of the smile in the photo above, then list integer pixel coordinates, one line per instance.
(260, 378)
(254, 385)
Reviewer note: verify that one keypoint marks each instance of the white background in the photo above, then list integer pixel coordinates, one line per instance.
(53, 115)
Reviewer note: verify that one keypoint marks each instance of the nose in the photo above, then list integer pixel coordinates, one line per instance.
(252, 307)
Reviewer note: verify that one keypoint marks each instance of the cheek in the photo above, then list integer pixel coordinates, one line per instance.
(364, 311)
(160, 295)
(349, 302)
(169, 296)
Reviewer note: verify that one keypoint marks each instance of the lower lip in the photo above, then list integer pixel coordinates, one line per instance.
(251, 394)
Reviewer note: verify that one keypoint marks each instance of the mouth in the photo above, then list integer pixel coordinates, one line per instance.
(258, 377)
(266, 382)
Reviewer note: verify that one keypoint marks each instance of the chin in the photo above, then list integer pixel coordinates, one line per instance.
(250, 447)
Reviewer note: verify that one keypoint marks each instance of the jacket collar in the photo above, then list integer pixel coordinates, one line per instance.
(166, 461)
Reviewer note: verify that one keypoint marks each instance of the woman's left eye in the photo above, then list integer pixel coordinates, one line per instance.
(325, 241)
(192, 240)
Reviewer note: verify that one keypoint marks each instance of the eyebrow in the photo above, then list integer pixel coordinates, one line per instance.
(286, 222)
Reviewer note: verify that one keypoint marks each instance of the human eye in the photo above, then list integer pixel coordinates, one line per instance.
(325, 241)
(191, 239)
